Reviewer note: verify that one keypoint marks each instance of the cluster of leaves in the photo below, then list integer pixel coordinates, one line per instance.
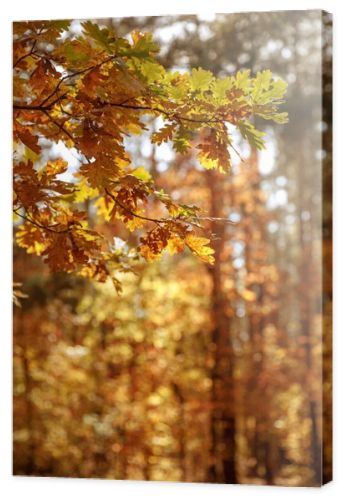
(90, 91)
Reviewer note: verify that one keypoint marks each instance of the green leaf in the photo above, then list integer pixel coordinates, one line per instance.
(201, 79)
(181, 145)
(221, 86)
(266, 90)
(273, 115)
(181, 142)
(143, 44)
(102, 36)
(262, 80)
(152, 71)
(74, 51)
(278, 88)
(253, 136)
(61, 25)
(177, 85)
(242, 80)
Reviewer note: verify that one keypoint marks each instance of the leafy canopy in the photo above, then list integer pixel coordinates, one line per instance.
(91, 91)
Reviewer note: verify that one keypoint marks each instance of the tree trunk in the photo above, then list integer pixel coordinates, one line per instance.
(223, 442)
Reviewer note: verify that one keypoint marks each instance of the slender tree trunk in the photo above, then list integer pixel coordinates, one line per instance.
(181, 430)
(262, 444)
(223, 430)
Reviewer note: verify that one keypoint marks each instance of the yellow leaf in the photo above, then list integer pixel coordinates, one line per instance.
(53, 168)
(148, 254)
(142, 174)
(199, 246)
(31, 238)
(102, 209)
(175, 244)
(208, 163)
(134, 223)
(30, 155)
(84, 191)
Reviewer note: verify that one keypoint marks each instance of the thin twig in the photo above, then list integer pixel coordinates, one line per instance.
(238, 154)
(25, 55)
(134, 214)
(39, 107)
(37, 224)
(57, 124)
(170, 114)
(76, 73)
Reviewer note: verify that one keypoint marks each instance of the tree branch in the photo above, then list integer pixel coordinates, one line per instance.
(37, 224)
(76, 73)
(134, 214)
(25, 55)
(38, 107)
(170, 114)
(57, 124)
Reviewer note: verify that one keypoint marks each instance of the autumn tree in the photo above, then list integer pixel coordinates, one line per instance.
(198, 370)
(87, 93)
